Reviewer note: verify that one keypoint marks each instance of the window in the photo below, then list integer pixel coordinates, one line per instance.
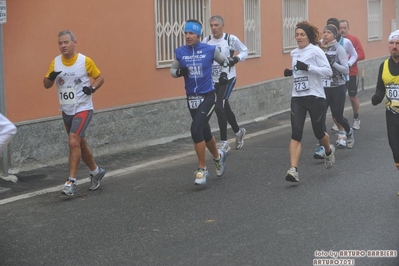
(374, 20)
(171, 16)
(294, 11)
(252, 27)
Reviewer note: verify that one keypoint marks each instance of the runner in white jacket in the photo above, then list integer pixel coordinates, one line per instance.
(309, 65)
(231, 47)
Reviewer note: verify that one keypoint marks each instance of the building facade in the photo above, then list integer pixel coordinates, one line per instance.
(133, 42)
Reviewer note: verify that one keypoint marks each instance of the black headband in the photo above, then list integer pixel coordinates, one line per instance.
(308, 31)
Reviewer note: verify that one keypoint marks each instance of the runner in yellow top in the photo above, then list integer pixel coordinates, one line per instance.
(77, 78)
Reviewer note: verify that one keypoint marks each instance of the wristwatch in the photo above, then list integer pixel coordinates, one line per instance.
(93, 89)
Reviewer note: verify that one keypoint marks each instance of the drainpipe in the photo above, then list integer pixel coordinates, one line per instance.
(2, 101)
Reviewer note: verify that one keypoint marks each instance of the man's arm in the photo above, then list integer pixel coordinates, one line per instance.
(359, 49)
(350, 49)
(380, 88)
(222, 60)
(98, 82)
(47, 83)
(173, 69)
(240, 48)
(50, 76)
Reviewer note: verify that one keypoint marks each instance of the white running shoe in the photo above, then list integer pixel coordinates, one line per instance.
(201, 175)
(350, 139)
(224, 145)
(330, 159)
(292, 175)
(320, 153)
(240, 138)
(70, 188)
(341, 141)
(219, 164)
(356, 124)
(334, 128)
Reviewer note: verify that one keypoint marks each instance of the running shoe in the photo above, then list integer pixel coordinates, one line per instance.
(341, 141)
(334, 128)
(240, 138)
(96, 180)
(224, 145)
(219, 164)
(356, 124)
(201, 175)
(320, 153)
(292, 175)
(350, 139)
(70, 188)
(330, 159)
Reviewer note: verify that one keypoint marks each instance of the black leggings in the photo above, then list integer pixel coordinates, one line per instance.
(200, 128)
(223, 109)
(335, 98)
(299, 108)
(393, 133)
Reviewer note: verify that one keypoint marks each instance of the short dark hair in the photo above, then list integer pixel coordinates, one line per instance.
(333, 21)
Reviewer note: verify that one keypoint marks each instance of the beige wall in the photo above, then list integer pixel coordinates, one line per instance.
(119, 36)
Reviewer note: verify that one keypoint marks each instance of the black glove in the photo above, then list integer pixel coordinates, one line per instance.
(331, 59)
(375, 100)
(182, 71)
(53, 75)
(233, 61)
(223, 78)
(301, 66)
(88, 90)
(287, 72)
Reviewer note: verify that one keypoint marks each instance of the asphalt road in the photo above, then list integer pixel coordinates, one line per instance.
(149, 212)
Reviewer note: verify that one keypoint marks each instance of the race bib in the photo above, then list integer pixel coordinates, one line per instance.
(392, 91)
(194, 101)
(301, 84)
(216, 70)
(67, 96)
(327, 81)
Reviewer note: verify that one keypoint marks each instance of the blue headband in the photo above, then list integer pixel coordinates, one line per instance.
(193, 27)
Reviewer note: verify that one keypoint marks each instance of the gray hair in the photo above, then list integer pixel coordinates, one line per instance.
(219, 18)
(65, 32)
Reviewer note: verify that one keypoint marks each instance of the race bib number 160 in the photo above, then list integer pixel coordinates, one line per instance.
(67, 96)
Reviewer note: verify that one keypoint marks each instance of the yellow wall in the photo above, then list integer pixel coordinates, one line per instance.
(120, 37)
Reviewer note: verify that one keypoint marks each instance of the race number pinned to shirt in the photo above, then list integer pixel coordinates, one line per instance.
(216, 70)
(327, 81)
(393, 91)
(301, 83)
(194, 101)
(67, 96)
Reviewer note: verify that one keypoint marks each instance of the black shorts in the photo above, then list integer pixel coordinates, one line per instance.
(352, 85)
